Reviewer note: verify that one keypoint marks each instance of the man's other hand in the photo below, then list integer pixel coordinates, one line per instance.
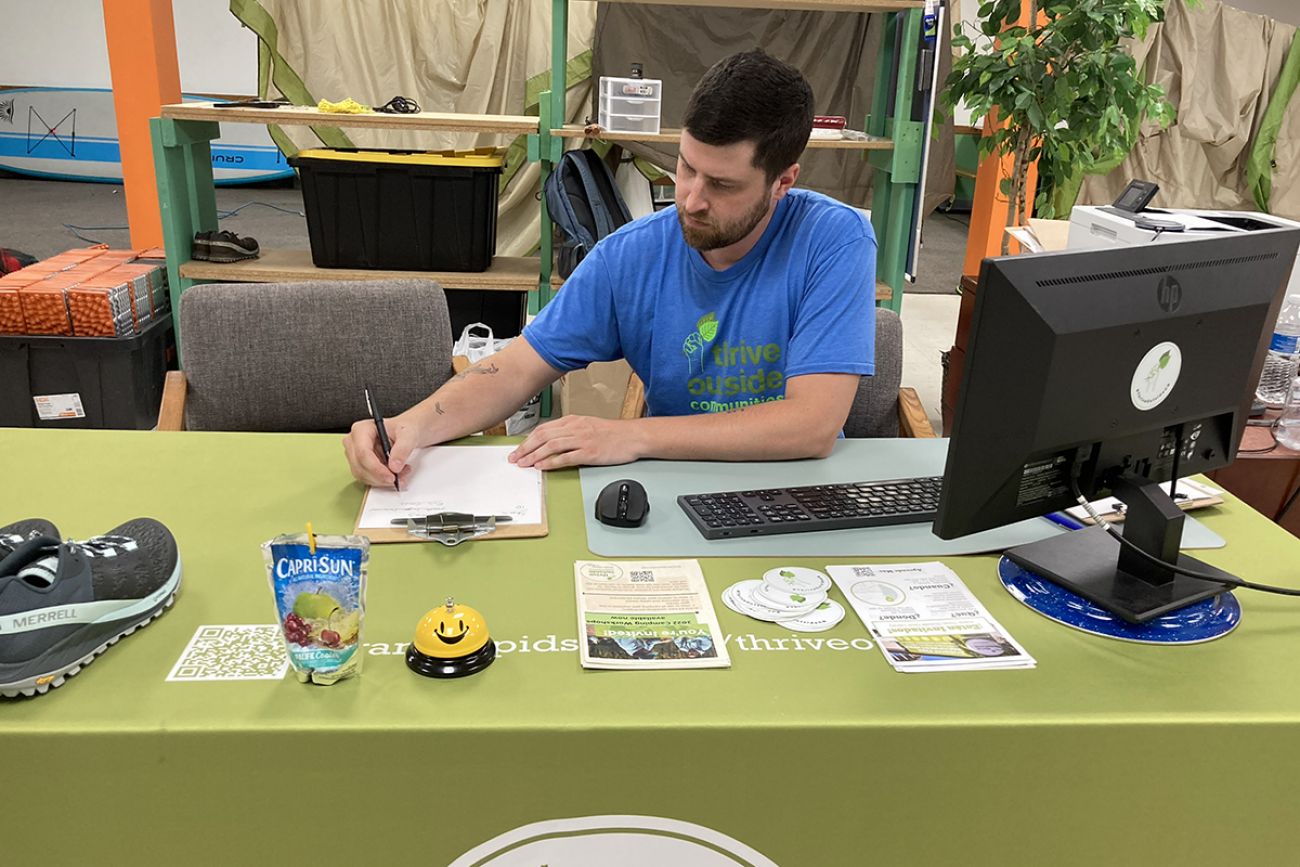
(577, 440)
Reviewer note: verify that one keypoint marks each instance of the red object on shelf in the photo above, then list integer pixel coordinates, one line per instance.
(828, 121)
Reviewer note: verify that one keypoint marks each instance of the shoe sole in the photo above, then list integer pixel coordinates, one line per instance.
(223, 251)
(42, 683)
(223, 256)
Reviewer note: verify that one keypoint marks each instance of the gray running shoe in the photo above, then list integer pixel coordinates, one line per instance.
(13, 535)
(64, 603)
(223, 246)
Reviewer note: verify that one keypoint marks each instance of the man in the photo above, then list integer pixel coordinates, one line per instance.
(748, 310)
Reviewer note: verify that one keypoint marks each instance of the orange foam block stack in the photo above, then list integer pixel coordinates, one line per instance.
(95, 292)
(11, 308)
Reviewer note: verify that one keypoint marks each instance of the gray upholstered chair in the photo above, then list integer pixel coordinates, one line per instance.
(881, 408)
(295, 356)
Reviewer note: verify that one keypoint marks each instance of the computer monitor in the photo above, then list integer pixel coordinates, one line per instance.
(1113, 369)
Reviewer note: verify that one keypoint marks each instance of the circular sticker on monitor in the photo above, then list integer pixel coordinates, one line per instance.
(1156, 375)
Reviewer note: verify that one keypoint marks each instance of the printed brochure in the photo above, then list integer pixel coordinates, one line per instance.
(646, 615)
(925, 619)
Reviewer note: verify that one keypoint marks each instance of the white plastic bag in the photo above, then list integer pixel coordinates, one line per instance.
(476, 343)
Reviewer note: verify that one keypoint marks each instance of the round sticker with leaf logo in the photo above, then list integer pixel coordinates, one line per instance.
(1156, 375)
(796, 579)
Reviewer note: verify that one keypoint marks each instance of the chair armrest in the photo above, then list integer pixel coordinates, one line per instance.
(460, 364)
(171, 413)
(633, 398)
(912, 420)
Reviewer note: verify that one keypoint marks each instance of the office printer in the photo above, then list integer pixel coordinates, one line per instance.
(1094, 226)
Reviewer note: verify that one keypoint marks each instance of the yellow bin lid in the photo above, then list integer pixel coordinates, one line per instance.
(479, 158)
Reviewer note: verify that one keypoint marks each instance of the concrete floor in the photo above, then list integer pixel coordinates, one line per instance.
(42, 218)
(929, 325)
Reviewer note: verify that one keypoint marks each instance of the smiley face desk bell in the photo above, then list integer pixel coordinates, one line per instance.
(451, 641)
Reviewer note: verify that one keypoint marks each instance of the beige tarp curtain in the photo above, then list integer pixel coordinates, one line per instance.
(465, 56)
(1218, 66)
(836, 52)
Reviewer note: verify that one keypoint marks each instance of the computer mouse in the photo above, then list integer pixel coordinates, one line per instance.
(622, 504)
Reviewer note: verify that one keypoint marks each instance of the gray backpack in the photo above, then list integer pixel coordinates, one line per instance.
(584, 203)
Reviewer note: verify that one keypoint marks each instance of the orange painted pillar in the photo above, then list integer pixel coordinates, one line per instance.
(146, 76)
(988, 212)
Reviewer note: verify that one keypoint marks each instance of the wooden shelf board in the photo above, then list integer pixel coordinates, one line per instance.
(819, 5)
(301, 115)
(516, 274)
(673, 135)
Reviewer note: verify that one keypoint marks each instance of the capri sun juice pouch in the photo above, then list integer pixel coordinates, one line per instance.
(320, 602)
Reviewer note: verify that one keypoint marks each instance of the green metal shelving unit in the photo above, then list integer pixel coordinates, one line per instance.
(182, 156)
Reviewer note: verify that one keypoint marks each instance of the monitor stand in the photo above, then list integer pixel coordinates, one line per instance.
(1094, 565)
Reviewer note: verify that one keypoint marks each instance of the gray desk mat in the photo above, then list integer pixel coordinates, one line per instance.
(667, 531)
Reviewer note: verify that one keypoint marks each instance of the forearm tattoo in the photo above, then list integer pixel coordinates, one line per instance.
(488, 369)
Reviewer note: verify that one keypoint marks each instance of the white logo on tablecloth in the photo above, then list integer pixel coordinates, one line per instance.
(628, 841)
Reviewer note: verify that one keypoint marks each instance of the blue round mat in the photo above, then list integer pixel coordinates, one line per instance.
(1204, 621)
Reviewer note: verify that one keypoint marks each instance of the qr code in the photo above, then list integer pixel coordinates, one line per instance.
(642, 575)
(232, 653)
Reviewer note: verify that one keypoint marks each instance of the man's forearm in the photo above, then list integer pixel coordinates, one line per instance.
(778, 430)
(480, 396)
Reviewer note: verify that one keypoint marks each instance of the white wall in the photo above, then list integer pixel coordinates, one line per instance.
(60, 43)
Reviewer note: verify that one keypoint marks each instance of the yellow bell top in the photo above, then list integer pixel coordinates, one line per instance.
(451, 631)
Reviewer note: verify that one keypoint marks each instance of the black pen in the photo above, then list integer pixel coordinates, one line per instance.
(372, 404)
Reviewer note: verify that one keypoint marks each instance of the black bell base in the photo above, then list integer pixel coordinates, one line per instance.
(460, 666)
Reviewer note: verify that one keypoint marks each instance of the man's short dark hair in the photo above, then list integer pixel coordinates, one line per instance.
(752, 96)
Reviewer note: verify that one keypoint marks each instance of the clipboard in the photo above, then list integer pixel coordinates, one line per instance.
(456, 491)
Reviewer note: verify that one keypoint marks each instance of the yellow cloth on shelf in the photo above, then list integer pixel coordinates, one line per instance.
(347, 106)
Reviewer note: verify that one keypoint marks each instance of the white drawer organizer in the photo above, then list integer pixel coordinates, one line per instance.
(630, 104)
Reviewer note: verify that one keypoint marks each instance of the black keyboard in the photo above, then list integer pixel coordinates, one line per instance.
(765, 512)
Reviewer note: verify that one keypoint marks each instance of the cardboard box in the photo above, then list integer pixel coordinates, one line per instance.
(597, 390)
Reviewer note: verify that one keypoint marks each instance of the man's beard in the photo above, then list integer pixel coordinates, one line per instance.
(713, 236)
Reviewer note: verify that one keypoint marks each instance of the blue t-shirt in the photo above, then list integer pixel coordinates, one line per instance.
(801, 301)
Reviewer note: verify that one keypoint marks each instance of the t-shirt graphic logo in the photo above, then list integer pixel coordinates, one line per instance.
(705, 330)
(7, 110)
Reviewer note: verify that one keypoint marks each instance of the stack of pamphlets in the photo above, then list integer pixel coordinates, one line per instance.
(646, 615)
(792, 596)
(924, 618)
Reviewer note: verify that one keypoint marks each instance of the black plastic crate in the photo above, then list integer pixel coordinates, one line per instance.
(118, 381)
(400, 210)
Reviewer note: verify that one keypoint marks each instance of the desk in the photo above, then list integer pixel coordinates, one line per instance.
(1264, 479)
(1105, 754)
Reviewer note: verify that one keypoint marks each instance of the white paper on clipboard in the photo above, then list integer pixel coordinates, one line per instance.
(474, 479)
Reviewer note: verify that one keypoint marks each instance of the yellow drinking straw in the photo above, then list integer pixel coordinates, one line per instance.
(311, 539)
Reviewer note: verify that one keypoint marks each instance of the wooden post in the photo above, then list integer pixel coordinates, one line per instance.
(142, 56)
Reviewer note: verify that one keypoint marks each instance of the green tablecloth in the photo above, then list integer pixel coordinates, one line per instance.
(1107, 753)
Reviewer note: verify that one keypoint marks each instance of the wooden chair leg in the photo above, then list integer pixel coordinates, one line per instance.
(912, 420)
(633, 398)
(171, 414)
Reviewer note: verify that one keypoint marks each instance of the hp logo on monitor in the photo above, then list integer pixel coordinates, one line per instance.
(1169, 294)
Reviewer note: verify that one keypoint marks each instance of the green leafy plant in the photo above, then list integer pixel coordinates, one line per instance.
(1072, 97)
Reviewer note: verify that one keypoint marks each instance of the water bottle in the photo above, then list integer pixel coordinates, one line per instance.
(1287, 431)
(1283, 354)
